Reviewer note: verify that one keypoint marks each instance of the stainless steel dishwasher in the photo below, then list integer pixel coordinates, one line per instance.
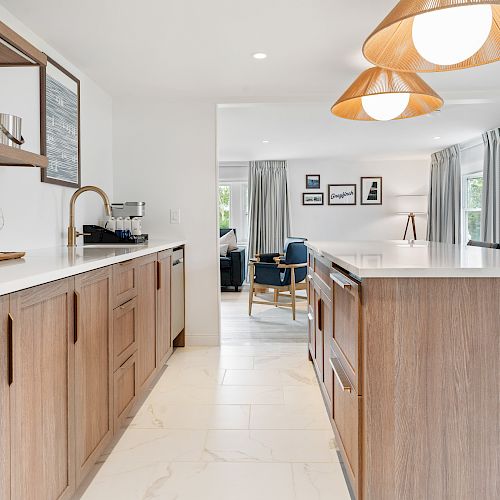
(177, 292)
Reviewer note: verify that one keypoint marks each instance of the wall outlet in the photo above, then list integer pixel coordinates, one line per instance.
(175, 216)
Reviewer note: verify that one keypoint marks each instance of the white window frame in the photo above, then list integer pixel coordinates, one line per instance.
(465, 210)
(240, 218)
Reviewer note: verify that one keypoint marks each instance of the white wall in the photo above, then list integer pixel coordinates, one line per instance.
(400, 177)
(165, 155)
(360, 222)
(36, 213)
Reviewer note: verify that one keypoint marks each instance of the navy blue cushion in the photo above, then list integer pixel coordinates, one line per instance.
(271, 274)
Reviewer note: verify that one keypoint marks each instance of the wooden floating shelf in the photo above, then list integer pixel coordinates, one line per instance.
(15, 157)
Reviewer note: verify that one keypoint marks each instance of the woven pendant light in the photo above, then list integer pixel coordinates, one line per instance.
(382, 82)
(436, 35)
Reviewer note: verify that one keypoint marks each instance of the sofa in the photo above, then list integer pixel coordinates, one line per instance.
(233, 266)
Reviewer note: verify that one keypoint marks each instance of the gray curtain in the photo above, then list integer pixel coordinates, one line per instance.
(269, 212)
(444, 197)
(490, 214)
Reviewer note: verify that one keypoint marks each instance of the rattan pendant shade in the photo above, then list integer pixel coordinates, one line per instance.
(391, 44)
(374, 81)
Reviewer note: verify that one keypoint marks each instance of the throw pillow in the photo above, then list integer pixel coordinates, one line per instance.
(223, 250)
(230, 240)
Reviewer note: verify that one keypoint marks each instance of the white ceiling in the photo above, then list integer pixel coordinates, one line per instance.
(201, 49)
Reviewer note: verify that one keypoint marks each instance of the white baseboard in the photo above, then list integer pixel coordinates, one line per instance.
(202, 340)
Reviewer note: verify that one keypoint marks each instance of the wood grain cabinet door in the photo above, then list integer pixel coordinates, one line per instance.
(4, 399)
(93, 367)
(327, 317)
(163, 308)
(41, 392)
(346, 328)
(310, 314)
(146, 310)
(319, 326)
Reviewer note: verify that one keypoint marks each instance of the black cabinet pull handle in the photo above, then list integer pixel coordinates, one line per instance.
(76, 303)
(10, 348)
(158, 275)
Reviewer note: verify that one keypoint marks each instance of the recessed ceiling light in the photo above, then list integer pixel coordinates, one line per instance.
(265, 141)
(437, 137)
(259, 55)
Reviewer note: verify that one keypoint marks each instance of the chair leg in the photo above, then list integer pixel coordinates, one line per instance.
(276, 297)
(293, 293)
(250, 292)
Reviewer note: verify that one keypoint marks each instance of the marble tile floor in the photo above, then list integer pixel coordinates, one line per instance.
(227, 423)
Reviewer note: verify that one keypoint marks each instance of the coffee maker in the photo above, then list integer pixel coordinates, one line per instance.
(114, 230)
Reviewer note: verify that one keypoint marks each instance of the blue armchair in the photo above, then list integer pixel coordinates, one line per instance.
(287, 274)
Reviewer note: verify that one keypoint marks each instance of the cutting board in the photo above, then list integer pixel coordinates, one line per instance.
(11, 255)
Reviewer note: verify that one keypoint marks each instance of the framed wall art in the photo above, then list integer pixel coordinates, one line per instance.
(341, 194)
(60, 110)
(313, 199)
(371, 190)
(313, 182)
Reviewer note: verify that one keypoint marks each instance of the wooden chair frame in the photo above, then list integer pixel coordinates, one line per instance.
(292, 288)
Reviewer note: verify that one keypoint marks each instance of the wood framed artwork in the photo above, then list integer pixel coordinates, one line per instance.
(313, 181)
(60, 112)
(341, 194)
(371, 190)
(311, 199)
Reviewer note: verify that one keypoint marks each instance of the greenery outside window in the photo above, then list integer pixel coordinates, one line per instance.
(472, 194)
(224, 206)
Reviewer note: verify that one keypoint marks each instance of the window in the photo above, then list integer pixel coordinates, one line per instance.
(233, 208)
(225, 206)
(472, 193)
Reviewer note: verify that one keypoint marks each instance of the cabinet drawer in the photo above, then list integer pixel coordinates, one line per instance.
(346, 322)
(346, 417)
(125, 328)
(125, 389)
(124, 282)
(318, 331)
(322, 275)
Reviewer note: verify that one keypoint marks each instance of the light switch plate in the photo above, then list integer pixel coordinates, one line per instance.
(175, 216)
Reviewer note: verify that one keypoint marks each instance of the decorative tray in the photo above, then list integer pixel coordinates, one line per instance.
(11, 255)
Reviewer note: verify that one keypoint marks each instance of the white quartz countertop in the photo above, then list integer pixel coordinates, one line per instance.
(419, 259)
(50, 264)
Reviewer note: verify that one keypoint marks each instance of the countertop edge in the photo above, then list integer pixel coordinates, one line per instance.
(407, 272)
(42, 278)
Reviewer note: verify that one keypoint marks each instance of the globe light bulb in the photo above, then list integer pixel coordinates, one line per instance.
(384, 107)
(452, 35)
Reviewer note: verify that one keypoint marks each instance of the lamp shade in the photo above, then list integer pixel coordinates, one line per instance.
(407, 204)
(381, 83)
(436, 35)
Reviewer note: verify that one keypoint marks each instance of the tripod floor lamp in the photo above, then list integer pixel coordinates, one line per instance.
(411, 206)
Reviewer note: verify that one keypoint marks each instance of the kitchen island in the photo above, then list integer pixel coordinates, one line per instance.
(405, 341)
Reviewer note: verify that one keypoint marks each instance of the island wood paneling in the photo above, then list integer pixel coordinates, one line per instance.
(431, 404)
(41, 393)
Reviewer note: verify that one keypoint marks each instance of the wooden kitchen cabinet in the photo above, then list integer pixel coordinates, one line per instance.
(125, 389)
(4, 399)
(163, 308)
(125, 332)
(93, 367)
(42, 392)
(75, 355)
(146, 310)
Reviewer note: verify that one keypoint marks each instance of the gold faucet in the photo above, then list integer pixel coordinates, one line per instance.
(72, 232)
